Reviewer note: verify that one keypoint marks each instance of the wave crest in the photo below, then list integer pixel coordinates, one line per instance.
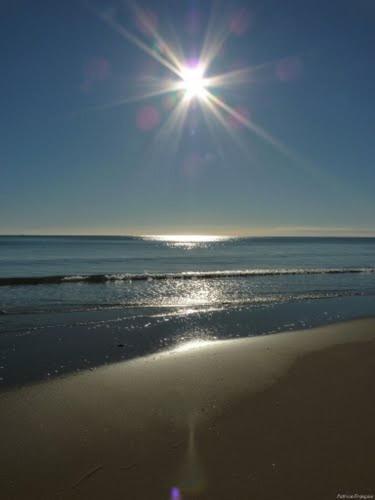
(185, 275)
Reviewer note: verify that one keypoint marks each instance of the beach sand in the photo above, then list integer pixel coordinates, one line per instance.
(285, 416)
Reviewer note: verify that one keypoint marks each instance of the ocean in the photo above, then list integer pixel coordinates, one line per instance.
(130, 296)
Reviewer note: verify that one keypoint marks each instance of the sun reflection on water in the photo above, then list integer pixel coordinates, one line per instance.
(187, 241)
(193, 344)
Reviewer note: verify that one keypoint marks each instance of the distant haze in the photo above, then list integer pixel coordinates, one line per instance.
(196, 231)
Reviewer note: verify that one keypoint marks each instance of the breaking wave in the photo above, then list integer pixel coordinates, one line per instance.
(126, 277)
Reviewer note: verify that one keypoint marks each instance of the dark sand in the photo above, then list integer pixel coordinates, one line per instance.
(287, 416)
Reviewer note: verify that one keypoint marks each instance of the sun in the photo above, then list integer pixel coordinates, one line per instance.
(193, 82)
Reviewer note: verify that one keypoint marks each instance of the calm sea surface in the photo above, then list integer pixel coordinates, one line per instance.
(46, 274)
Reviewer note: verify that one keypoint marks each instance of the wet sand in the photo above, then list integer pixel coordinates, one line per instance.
(281, 416)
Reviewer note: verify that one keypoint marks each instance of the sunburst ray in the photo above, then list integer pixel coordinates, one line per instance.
(191, 86)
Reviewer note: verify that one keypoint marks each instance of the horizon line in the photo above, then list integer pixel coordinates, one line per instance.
(223, 236)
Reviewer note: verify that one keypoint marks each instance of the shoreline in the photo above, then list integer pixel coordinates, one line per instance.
(49, 346)
(288, 415)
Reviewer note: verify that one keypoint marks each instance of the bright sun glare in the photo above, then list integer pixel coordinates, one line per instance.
(186, 238)
(192, 79)
(193, 82)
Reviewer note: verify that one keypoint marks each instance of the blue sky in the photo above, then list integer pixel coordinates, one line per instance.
(73, 162)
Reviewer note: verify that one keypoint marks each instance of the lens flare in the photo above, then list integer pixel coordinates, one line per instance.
(193, 81)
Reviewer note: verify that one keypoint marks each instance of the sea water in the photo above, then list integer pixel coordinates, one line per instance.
(72, 303)
(47, 274)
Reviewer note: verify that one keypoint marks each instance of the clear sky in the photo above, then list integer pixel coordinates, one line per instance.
(289, 150)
